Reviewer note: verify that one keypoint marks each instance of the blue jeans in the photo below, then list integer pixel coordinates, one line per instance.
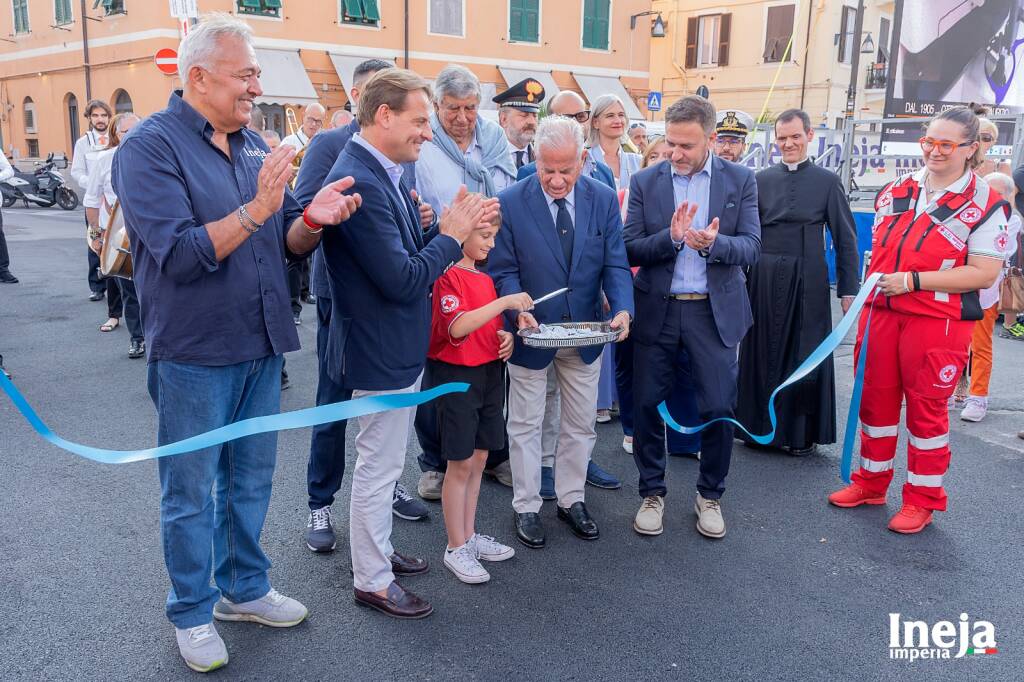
(193, 399)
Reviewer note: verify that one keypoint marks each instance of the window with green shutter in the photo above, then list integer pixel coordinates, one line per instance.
(260, 8)
(110, 6)
(362, 12)
(524, 21)
(595, 24)
(62, 12)
(20, 16)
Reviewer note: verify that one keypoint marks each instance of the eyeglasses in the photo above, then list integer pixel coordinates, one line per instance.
(987, 137)
(581, 116)
(727, 141)
(314, 121)
(944, 146)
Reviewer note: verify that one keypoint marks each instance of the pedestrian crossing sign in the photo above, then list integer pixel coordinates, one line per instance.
(654, 101)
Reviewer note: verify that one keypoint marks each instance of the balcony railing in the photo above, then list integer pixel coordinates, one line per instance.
(877, 76)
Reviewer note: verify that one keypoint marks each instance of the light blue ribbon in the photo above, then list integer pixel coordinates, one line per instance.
(311, 416)
(824, 349)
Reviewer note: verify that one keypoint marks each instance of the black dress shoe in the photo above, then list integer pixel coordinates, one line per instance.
(804, 451)
(96, 296)
(529, 529)
(403, 565)
(136, 349)
(579, 521)
(398, 603)
(7, 278)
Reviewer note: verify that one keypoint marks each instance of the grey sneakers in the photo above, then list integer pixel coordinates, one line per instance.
(648, 520)
(202, 648)
(709, 517)
(429, 486)
(272, 609)
(320, 532)
(975, 409)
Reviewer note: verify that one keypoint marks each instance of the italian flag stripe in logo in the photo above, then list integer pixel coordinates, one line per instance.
(977, 652)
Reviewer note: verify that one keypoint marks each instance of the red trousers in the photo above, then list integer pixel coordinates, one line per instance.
(918, 359)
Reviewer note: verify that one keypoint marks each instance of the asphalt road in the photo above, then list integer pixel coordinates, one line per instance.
(796, 591)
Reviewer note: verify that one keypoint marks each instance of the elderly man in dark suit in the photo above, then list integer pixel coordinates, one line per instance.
(380, 271)
(692, 226)
(560, 229)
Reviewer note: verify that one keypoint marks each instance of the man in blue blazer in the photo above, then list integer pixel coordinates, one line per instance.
(327, 445)
(559, 229)
(692, 226)
(381, 268)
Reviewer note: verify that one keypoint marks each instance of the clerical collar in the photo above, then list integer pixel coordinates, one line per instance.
(792, 167)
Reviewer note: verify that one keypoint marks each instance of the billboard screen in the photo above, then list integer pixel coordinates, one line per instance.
(954, 52)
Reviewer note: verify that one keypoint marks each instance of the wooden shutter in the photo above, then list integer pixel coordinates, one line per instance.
(844, 21)
(371, 12)
(778, 32)
(531, 20)
(602, 36)
(588, 23)
(691, 43)
(723, 39)
(515, 19)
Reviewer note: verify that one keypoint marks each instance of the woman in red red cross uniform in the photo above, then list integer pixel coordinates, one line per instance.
(940, 235)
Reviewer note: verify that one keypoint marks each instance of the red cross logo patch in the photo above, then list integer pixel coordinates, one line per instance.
(448, 304)
(1002, 242)
(971, 215)
(885, 200)
(947, 374)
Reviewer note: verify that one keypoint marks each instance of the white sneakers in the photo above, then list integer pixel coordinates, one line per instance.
(648, 520)
(489, 549)
(202, 648)
(975, 409)
(627, 444)
(464, 561)
(709, 517)
(272, 609)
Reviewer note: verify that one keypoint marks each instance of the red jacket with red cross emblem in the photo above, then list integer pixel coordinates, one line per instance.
(968, 218)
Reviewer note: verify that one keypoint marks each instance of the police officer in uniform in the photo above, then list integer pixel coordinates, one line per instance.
(731, 132)
(518, 110)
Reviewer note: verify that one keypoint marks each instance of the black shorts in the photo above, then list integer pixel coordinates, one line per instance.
(473, 420)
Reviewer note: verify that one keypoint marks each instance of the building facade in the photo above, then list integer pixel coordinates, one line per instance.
(773, 55)
(60, 53)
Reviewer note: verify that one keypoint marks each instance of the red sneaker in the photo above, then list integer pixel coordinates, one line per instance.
(854, 496)
(910, 519)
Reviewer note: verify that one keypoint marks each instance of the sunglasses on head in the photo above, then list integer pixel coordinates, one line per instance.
(943, 146)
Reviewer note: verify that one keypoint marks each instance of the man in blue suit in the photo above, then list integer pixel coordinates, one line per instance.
(559, 229)
(327, 446)
(380, 270)
(692, 226)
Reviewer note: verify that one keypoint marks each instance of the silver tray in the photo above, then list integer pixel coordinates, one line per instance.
(608, 336)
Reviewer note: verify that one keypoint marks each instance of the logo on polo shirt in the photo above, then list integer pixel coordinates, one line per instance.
(449, 303)
(255, 153)
(1002, 242)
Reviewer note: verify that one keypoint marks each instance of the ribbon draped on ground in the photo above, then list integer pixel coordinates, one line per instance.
(311, 416)
(817, 356)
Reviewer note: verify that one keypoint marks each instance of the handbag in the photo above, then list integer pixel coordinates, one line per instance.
(1011, 291)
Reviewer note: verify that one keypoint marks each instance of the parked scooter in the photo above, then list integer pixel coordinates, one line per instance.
(44, 186)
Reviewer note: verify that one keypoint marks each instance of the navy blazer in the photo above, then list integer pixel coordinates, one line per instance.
(381, 266)
(527, 256)
(601, 173)
(733, 200)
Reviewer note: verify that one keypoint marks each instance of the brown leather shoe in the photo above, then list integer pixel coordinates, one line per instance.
(403, 565)
(398, 604)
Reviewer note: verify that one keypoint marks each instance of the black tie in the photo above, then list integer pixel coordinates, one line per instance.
(519, 159)
(564, 226)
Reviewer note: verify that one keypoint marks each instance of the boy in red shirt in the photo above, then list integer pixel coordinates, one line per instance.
(468, 344)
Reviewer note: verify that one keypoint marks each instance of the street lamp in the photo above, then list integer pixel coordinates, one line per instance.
(868, 46)
(657, 26)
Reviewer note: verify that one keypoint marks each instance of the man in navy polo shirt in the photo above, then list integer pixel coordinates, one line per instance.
(211, 223)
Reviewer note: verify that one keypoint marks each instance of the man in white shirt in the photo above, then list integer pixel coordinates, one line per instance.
(517, 115)
(98, 113)
(6, 172)
(466, 149)
(312, 123)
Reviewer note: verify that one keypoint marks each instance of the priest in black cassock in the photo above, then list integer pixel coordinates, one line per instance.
(789, 292)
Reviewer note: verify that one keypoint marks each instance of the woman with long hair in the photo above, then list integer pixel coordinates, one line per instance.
(940, 235)
(608, 141)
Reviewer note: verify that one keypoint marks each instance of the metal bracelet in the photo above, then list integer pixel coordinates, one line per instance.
(248, 224)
